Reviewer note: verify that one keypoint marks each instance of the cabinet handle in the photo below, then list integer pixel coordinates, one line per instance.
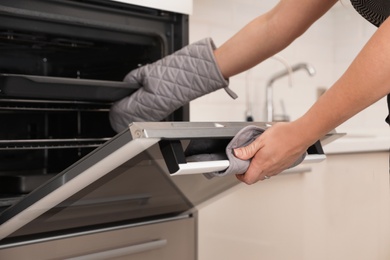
(123, 251)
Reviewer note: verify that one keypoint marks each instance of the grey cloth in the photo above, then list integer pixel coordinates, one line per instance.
(236, 166)
(168, 84)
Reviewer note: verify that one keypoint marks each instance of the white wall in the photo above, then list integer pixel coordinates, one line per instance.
(329, 45)
(338, 211)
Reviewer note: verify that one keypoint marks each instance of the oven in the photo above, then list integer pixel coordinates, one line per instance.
(65, 175)
(62, 65)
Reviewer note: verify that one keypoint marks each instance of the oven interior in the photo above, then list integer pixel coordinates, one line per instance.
(61, 67)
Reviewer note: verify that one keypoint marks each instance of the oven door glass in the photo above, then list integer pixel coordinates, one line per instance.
(118, 182)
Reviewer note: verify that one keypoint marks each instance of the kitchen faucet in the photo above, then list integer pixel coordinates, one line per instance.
(269, 90)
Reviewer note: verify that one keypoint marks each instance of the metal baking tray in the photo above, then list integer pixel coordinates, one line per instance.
(42, 87)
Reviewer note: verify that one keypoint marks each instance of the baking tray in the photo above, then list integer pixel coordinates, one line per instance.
(42, 87)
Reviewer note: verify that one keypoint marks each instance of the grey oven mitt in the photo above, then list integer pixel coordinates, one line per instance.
(236, 166)
(168, 84)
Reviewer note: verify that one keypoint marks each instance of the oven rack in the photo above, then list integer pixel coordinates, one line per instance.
(52, 105)
(39, 144)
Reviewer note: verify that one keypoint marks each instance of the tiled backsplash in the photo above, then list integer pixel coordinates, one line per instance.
(329, 45)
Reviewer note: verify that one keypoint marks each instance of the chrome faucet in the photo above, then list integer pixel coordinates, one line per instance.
(269, 90)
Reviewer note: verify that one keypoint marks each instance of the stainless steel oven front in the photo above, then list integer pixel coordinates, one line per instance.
(61, 67)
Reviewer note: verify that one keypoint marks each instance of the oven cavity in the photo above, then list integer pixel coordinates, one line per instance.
(62, 65)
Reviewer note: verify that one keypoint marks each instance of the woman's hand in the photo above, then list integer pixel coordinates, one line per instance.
(272, 152)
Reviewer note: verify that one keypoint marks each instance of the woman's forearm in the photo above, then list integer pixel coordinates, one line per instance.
(366, 81)
(268, 34)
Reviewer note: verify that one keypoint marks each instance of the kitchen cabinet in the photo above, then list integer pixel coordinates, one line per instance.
(339, 210)
(173, 239)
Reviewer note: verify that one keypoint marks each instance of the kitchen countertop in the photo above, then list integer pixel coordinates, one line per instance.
(358, 141)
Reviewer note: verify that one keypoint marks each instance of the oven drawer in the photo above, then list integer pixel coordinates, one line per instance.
(173, 239)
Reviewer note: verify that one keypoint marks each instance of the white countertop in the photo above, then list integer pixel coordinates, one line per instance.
(358, 141)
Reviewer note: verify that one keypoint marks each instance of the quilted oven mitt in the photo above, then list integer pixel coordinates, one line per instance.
(168, 84)
(236, 166)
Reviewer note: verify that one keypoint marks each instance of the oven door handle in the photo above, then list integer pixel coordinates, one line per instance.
(201, 167)
(177, 164)
(173, 154)
(221, 165)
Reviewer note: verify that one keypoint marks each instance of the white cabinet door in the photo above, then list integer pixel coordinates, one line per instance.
(340, 210)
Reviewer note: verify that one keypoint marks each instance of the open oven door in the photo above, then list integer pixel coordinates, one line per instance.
(128, 179)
